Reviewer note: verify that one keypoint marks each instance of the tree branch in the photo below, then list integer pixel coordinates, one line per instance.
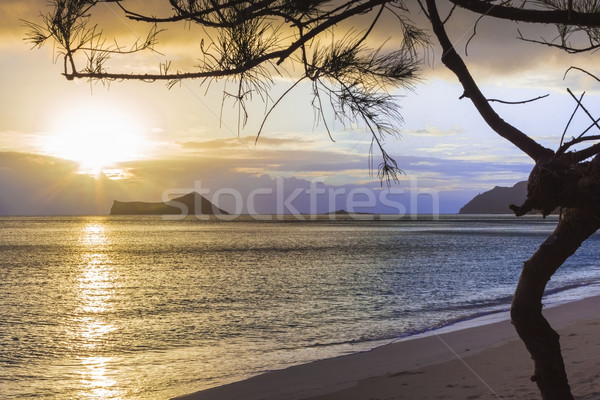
(454, 62)
(584, 109)
(518, 102)
(568, 49)
(586, 153)
(562, 138)
(582, 70)
(561, 17)
(279, 55)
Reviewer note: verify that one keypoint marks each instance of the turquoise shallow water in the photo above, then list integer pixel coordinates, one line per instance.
(142, 308)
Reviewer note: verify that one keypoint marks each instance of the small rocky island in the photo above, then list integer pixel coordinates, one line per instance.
(189, 204)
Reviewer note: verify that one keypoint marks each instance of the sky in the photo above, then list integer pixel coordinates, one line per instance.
(71, 147)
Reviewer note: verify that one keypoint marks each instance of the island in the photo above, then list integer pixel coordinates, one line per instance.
(189, 204)
(349, 213)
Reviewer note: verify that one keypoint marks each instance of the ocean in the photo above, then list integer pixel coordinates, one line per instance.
(146, 308)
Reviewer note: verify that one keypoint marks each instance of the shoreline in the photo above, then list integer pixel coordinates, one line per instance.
(482, 361)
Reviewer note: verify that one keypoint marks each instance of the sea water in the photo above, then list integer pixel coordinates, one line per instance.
(146, 308)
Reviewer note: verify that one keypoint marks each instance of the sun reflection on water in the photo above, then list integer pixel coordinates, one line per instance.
(94, 233)
(96, 285)
(92, 329)
(96, 383)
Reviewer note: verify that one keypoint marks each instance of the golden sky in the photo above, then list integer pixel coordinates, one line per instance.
(56, 136)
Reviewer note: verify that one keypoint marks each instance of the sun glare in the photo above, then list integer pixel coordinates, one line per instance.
(97, 140)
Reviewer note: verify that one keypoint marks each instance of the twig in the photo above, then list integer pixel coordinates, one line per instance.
(584, 109)
(565, 146)
(275, 105)
(582, 70)
(570, 50)
(562, 138)
(518, 102)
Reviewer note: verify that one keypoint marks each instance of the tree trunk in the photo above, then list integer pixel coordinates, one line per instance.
(526, 312)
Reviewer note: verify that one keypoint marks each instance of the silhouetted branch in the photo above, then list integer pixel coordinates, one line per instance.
(584, 154)
(582, 70)
(475, 27)
(519, 102)
(521, 14)
(580, 140)
(562, 138)
(275, 104)
(562, 46)
(454, 6)
(455, 63)
(203, 15)
(584, 109)
(594, 123)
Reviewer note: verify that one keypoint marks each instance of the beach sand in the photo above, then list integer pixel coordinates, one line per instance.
(481, 362)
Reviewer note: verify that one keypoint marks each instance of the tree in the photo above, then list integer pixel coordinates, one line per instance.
(255, 40)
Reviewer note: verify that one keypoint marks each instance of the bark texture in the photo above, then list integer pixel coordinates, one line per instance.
(541, 340)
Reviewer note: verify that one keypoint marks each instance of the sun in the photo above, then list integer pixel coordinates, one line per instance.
(97, 139)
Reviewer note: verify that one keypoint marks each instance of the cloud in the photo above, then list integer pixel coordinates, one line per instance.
(433, 131)
(444, 148)
(34, 184)
(241, 142)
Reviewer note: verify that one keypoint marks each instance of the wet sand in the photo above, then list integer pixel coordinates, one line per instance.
(480, 362)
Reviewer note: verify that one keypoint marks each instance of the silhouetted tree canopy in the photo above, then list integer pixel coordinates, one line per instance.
(317, 41)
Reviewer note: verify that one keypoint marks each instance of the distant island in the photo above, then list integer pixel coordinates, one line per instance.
(189, 204)
(344, 212)
(497, 200)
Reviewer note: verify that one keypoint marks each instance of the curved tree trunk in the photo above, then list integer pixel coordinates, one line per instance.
(558, 179)
(526, 312)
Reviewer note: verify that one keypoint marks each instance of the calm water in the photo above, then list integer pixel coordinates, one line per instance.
(141, 308)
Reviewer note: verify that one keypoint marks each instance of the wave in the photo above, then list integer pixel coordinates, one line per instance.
(571, 291)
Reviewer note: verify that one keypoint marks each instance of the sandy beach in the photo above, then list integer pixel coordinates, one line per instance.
(480, 362)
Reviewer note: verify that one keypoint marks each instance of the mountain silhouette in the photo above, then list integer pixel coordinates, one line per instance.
(497, 200)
